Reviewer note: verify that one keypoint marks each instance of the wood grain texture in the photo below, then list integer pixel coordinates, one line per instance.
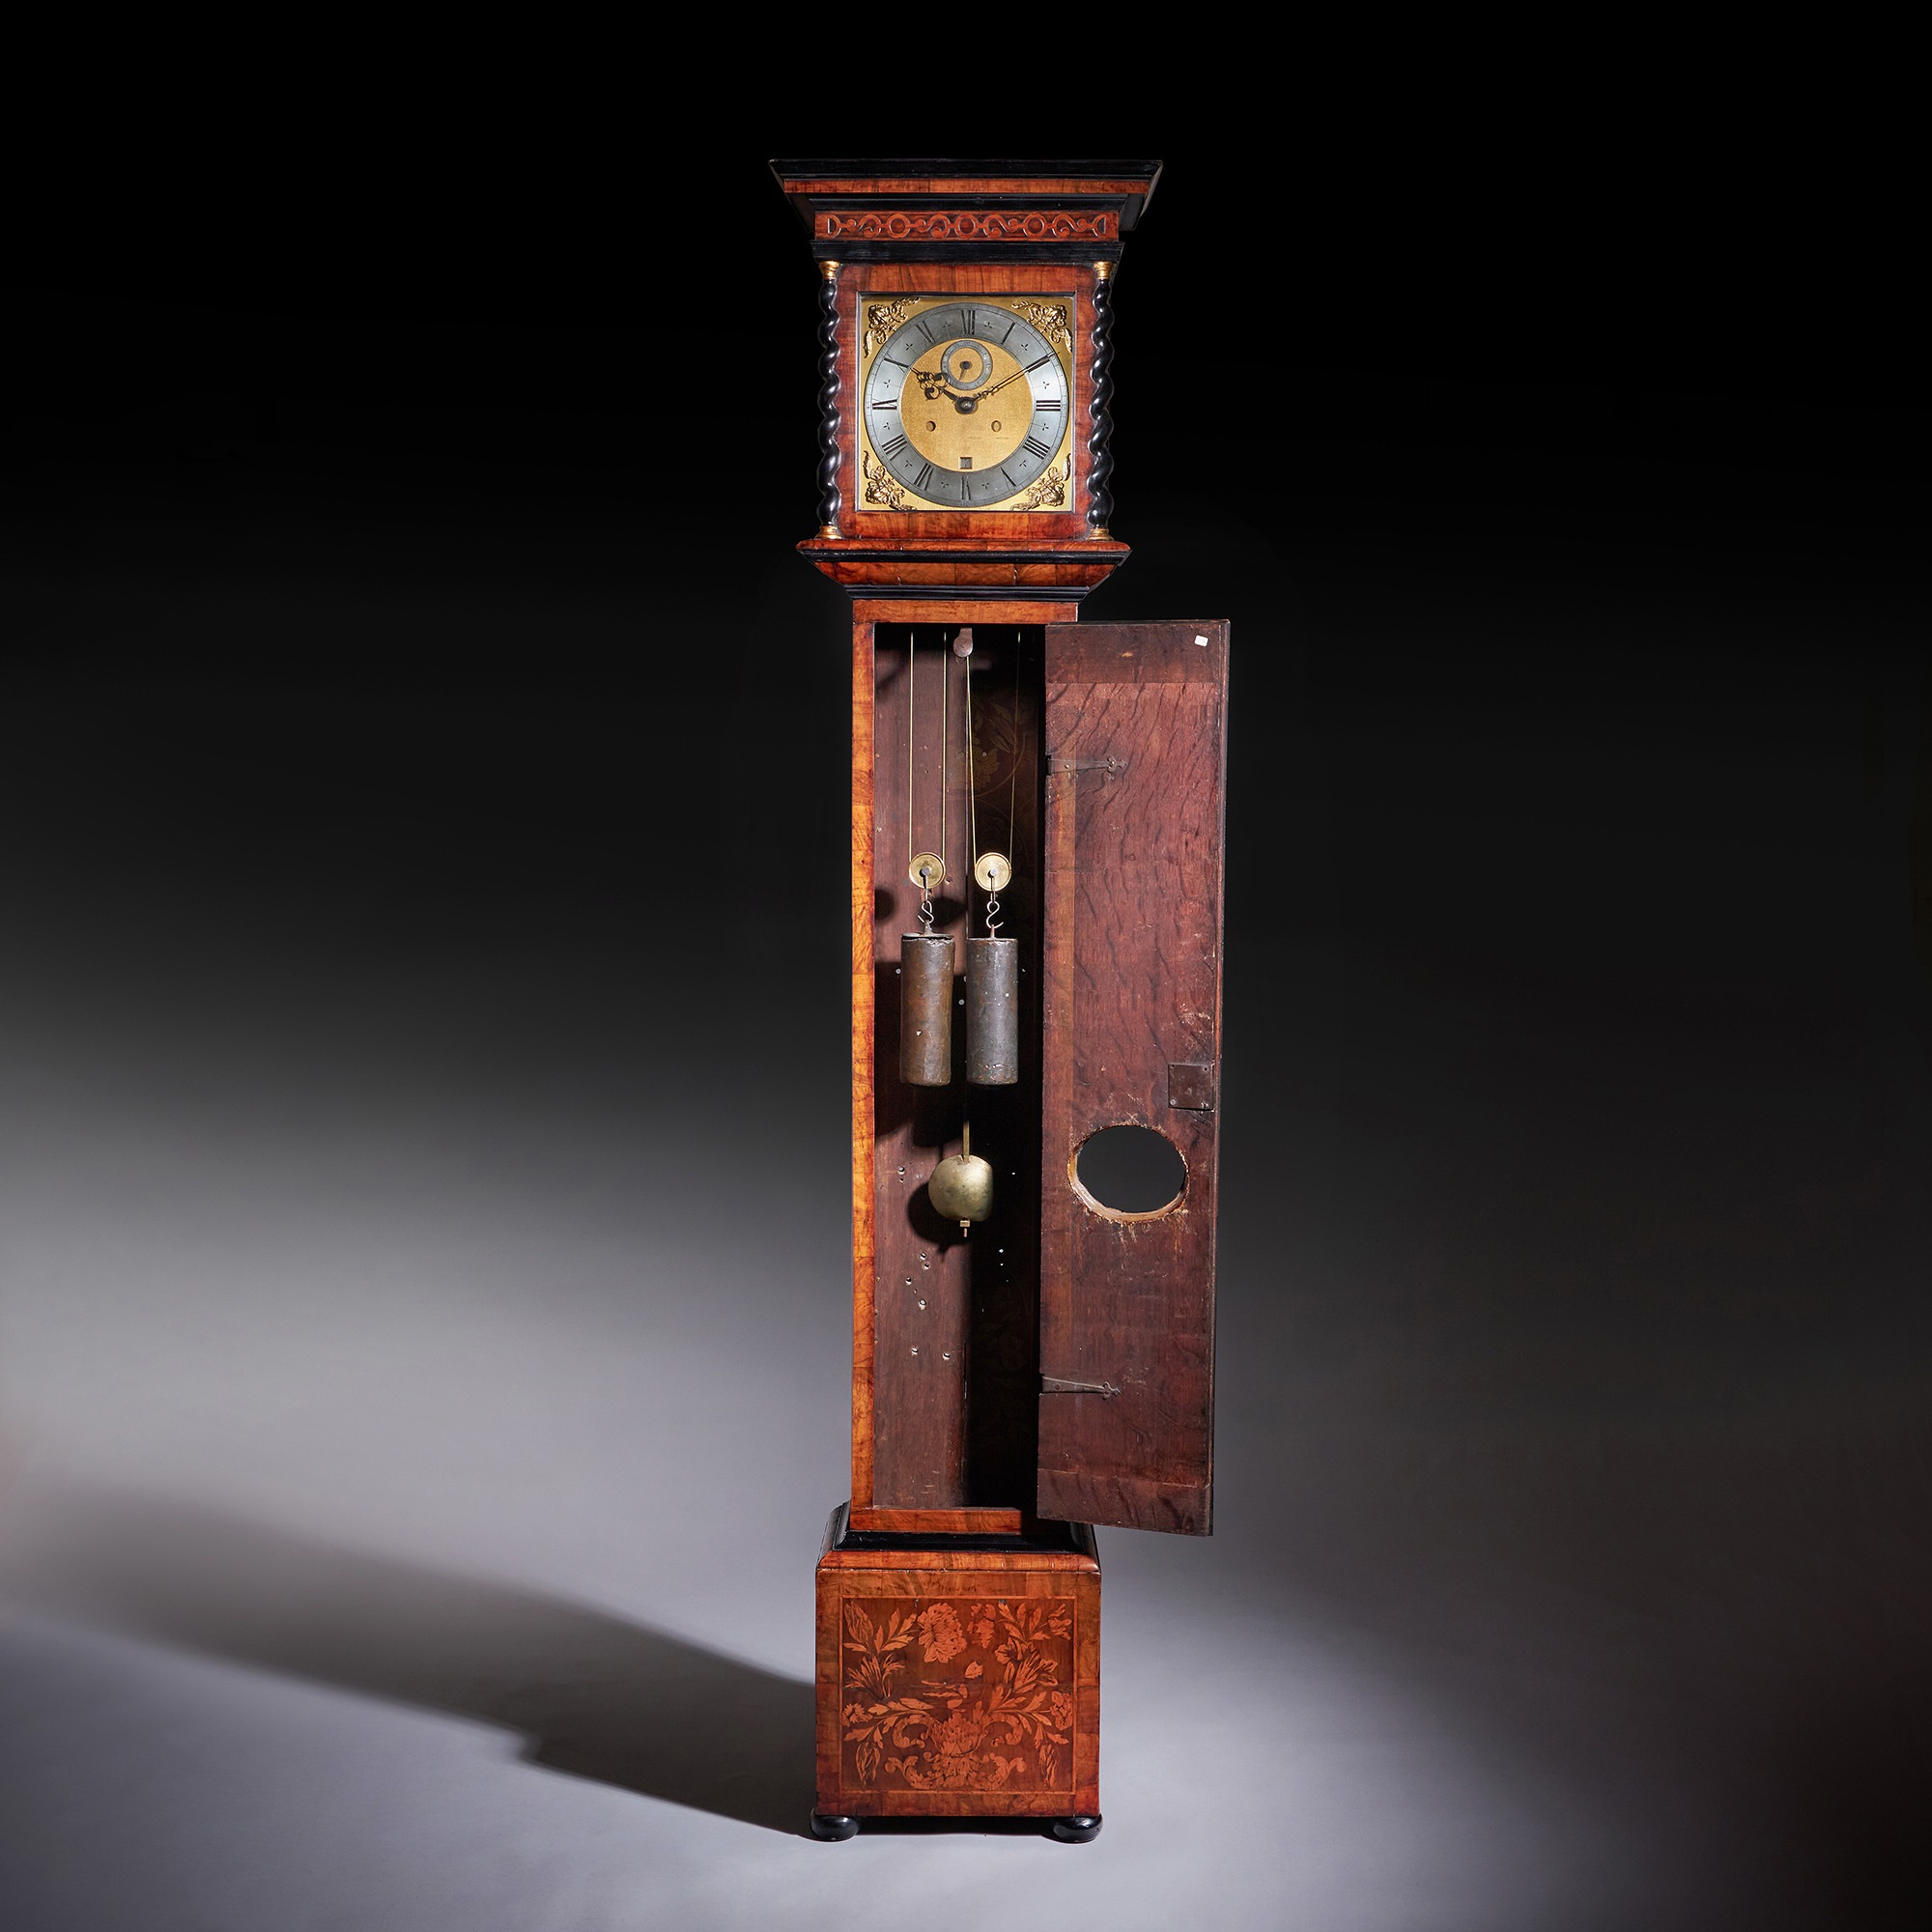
(1135, 724)
(896, 184)
(862, 1031)
(974, 1560)
(991, 529)
(1067, 579)
(922, 1278)
(939, 1523)
(1059, 885)
(960, 1610)
(954, 1351)
(966, 610)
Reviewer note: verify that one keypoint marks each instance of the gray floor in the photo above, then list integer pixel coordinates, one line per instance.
(360, 1586)
(423, 1330)
(359, 1581)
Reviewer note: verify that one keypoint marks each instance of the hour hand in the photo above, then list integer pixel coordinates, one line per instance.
(935, 387)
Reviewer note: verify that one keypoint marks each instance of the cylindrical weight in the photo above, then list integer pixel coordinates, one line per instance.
(925, 1010)
(992, 1012)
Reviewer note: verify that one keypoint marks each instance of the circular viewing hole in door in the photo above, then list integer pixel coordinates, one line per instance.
(1130, 1171)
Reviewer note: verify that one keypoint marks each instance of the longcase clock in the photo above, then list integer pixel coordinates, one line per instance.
(1036, 833)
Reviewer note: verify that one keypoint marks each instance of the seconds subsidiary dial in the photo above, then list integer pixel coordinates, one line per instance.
(966, 407)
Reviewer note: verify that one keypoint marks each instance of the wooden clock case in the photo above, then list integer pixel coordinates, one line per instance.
(1056, 1369)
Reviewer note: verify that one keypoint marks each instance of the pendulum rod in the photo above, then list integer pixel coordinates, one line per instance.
(912, 740)
(925, 957)
(944, 684)
(961, 1185)
(1013, 778)
(972, 757)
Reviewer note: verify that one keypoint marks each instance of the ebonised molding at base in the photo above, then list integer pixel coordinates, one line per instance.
(1041, 1537)
(1080, 1829)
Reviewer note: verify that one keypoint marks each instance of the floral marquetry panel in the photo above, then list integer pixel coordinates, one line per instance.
(958, 1694)
(960, 1681)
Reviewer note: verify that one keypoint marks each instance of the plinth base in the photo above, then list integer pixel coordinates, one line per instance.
(960, 1677)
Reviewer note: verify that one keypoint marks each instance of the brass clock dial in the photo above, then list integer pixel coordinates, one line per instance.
(966, 405)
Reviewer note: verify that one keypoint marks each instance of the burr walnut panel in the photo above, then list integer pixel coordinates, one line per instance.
(1131, 931)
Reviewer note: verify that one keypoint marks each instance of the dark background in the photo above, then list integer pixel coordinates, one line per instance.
(413, 715)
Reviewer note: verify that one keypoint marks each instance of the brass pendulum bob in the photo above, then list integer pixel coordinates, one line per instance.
(961, 1186)
(925, 990)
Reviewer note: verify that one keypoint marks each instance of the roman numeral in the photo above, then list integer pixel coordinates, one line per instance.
(896, 363)
(927, 473)
(1039, 403)
(1009, 475)
(932, 340)
(892, 403)
(1040, 449)
(889, 450)
(972, 321)
(1008, 337)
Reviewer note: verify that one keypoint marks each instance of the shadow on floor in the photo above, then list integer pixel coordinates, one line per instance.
(594, 1696)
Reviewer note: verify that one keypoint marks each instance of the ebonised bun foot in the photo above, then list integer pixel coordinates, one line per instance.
(834, 1829)
(1075, 1830)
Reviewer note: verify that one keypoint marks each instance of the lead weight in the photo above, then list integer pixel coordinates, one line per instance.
(925, 1010)
(993, 1011)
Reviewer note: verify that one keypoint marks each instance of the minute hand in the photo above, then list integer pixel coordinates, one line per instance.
(981, 396)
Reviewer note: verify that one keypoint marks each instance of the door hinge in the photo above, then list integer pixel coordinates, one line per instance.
(1113, 766)
(1055, 1385)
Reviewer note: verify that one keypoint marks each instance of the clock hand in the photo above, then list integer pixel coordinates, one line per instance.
(966, 405)
(936, 386)
(998, 387)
